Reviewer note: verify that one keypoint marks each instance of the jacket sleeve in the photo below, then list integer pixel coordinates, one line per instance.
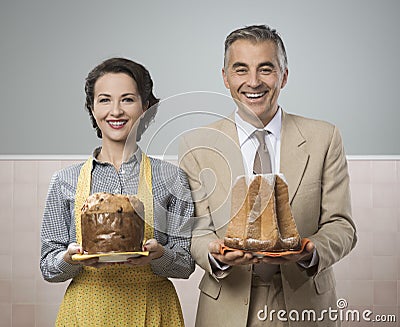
(336, 235)
(203, 228)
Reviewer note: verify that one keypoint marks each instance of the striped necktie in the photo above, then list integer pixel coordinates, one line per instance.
(262, 165)
(262, 160)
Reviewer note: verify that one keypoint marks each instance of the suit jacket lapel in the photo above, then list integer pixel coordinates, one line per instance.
(227, 143)
(294, 157)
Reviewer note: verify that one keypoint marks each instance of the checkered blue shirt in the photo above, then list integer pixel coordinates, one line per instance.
(173, 214)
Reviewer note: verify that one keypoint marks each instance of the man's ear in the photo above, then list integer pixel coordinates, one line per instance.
(285, 78)
(225, 78)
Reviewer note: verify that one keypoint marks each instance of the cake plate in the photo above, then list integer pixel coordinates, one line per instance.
(260, 254)
(110, 257)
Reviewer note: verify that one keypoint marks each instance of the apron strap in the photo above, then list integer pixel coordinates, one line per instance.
(145, 194)
(82, 193)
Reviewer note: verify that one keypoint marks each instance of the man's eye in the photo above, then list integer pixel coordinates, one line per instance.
(266, 71)
(241, 70)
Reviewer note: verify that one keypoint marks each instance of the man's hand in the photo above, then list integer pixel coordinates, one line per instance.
(239, 257)
(303, 256)
(231, 258)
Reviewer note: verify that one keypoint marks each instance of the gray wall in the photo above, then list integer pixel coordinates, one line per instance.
(343, 61)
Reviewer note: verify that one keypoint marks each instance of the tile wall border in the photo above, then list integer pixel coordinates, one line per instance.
(38, 157)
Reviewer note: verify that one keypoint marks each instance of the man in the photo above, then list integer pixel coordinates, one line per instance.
(298, 289)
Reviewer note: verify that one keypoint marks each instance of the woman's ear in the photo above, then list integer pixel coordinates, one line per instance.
(146, 106)
(93, 114)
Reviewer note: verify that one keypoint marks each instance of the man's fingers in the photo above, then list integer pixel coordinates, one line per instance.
(236, 258)
(310, 247)
(214, 247)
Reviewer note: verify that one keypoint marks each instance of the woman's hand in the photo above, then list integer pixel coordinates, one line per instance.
(156, 250)
(75, 248)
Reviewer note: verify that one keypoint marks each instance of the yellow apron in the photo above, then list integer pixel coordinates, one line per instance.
(119, 295)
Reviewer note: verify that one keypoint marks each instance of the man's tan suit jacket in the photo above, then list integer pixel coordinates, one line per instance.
(314, 165)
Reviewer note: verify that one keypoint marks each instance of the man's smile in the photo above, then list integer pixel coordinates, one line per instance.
(251, 95)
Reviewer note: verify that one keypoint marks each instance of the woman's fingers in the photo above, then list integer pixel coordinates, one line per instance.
(73, 248)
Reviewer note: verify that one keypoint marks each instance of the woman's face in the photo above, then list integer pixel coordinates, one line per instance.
(117, 106)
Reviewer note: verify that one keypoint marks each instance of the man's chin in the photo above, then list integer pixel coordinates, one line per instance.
(251, 115)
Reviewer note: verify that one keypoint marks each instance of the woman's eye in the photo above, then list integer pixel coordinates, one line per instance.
(127, 100)
(104, 100)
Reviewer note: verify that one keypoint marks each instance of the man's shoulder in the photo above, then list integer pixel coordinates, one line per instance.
(222, 123)
(309, 122)
(209, 131)
(309, 126)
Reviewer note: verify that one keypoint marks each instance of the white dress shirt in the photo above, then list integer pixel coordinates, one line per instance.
(249, 144)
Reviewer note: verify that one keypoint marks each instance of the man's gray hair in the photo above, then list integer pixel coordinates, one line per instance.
(258, 33)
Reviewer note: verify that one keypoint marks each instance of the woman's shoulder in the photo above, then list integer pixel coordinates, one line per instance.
(68, 174)
(167, 170)
(64, 181)
(164, 165)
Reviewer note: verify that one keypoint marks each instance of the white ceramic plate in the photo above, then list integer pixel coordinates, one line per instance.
(110, 257)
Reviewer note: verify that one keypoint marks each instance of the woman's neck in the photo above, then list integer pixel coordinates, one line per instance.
(115, 154)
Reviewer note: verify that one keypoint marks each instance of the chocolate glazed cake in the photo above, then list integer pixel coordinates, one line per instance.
(261, 216)
(112, 223)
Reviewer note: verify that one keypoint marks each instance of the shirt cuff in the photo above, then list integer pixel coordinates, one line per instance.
(217, 265)
(64, 266)
(219, 269)
(311, 262)
(161, 264)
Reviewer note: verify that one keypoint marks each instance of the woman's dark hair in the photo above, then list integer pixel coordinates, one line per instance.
(144, 84)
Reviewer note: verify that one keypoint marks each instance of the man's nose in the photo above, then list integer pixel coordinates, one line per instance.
(254, 80)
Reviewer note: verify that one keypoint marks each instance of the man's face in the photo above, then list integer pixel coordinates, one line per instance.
(253, 75)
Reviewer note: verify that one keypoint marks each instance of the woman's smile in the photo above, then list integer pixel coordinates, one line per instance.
(117, 124)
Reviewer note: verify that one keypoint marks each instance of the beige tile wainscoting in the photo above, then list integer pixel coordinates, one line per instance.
(367, 279)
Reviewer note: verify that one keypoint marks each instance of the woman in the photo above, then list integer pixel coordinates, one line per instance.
(120, 102)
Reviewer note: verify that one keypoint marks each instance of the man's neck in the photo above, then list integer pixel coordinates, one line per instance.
(258, 122)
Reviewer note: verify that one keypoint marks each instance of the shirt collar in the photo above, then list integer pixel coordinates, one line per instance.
(136, 156)
(245, 129)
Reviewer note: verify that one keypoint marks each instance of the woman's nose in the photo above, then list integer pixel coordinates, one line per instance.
(116, 109)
